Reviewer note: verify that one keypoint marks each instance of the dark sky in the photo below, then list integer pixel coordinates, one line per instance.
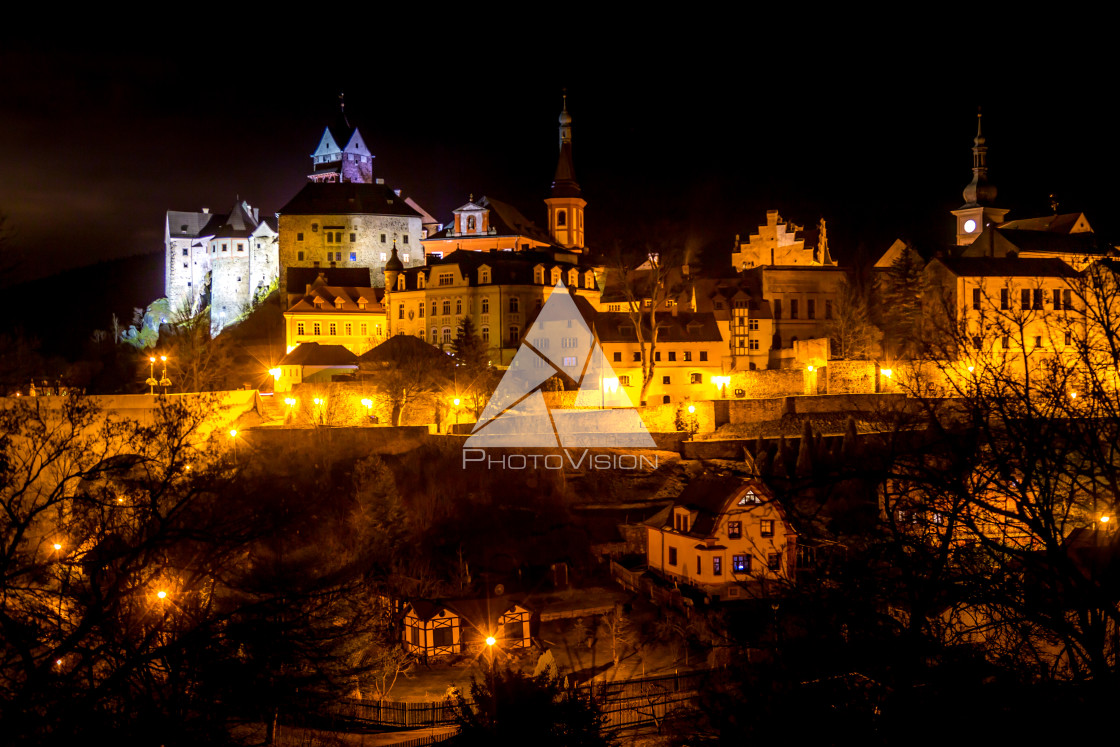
(702, 126)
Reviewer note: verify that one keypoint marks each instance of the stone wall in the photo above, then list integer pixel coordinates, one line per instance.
(757, 410)
(845, 377)
(374, 236)
(768, 383)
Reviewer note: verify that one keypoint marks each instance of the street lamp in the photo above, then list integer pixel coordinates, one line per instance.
(151, 382)
(164, 381)
(233, 438)
(319, 403)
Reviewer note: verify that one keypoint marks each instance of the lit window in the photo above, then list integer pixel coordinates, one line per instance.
(687, 356)
(741, 563)
(734, 529)
(717, 566)
(569, 360)
(697, 378)
(384, 256)
(767, 527)
(624, 380)
(353, 256)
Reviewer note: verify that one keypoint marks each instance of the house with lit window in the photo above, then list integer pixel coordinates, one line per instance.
(726, 536)
(432, 629)
(311, 362)
(1013, 309)
(485, 224)
(690, 361)
(500, 291)
(350, 316)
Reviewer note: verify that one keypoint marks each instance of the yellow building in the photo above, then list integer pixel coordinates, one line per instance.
(724, 535)
(1006, 306)
(500, 291)
(348, 316)
(690, 357)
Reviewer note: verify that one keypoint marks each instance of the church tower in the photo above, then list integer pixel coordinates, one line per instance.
(977, 212)
(565, 206)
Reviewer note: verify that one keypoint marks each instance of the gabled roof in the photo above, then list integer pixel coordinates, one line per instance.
(301, 277)
(1010, 267)
(349, 296)
(314, 354)
(707, 496)
(239, 224)
(1064, 223)
(400, 347)
(185, 225)
(506, 268)
(617, 326)
(1002, 241)
(347, 198)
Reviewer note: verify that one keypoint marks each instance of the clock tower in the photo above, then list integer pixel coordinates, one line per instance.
(977, 213)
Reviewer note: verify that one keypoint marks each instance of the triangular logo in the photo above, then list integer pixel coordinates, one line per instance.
(560, 341)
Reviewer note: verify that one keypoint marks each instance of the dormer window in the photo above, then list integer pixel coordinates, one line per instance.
(748, 498)
(400, 283)
(538, 275)
(681, 520)
(555, 275)
(573, 278)
(318, 303)
(483, 277)
(338, 302)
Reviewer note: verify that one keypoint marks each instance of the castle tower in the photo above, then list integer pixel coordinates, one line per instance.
(342, 155)
(565, 206)
(977, 211)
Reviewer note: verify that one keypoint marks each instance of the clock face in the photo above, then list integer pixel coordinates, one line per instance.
(969, 226)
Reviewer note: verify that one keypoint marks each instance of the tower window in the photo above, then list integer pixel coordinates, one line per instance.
(299, 236)
(353, 256)
(561, 218)
(185, 251)
(382, 238)
(404, 239)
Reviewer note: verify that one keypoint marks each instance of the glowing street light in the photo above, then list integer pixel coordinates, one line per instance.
(161, 594)
(456, 401)
(58, 546)
(1104, 519)
(233, 433)
(1073, 395)
(163, 380)
(151, 382)
(275, 372)
(491, 640)
(886, 372)
(692, 409)
(290, 401)
(722, 382)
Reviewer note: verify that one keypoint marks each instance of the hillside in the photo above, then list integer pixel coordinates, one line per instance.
(64, 309)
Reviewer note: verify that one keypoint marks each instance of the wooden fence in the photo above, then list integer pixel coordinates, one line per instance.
(617, 696)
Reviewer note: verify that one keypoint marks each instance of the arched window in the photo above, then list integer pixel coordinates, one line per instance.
(435, 308)
(458, 306)
(447, 334)
(435, 335)
(486, 306)
(470, 223)
(446, 307)
(514, 335)
(514, 304)
(555, 275)
(486, 334)
(561, 218)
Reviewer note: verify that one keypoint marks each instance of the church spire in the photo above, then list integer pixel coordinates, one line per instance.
(565, 206)
(979, 191)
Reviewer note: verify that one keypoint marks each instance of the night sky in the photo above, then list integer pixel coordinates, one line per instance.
(99, 139)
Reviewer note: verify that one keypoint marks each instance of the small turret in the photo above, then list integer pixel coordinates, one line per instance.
(393, 268)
